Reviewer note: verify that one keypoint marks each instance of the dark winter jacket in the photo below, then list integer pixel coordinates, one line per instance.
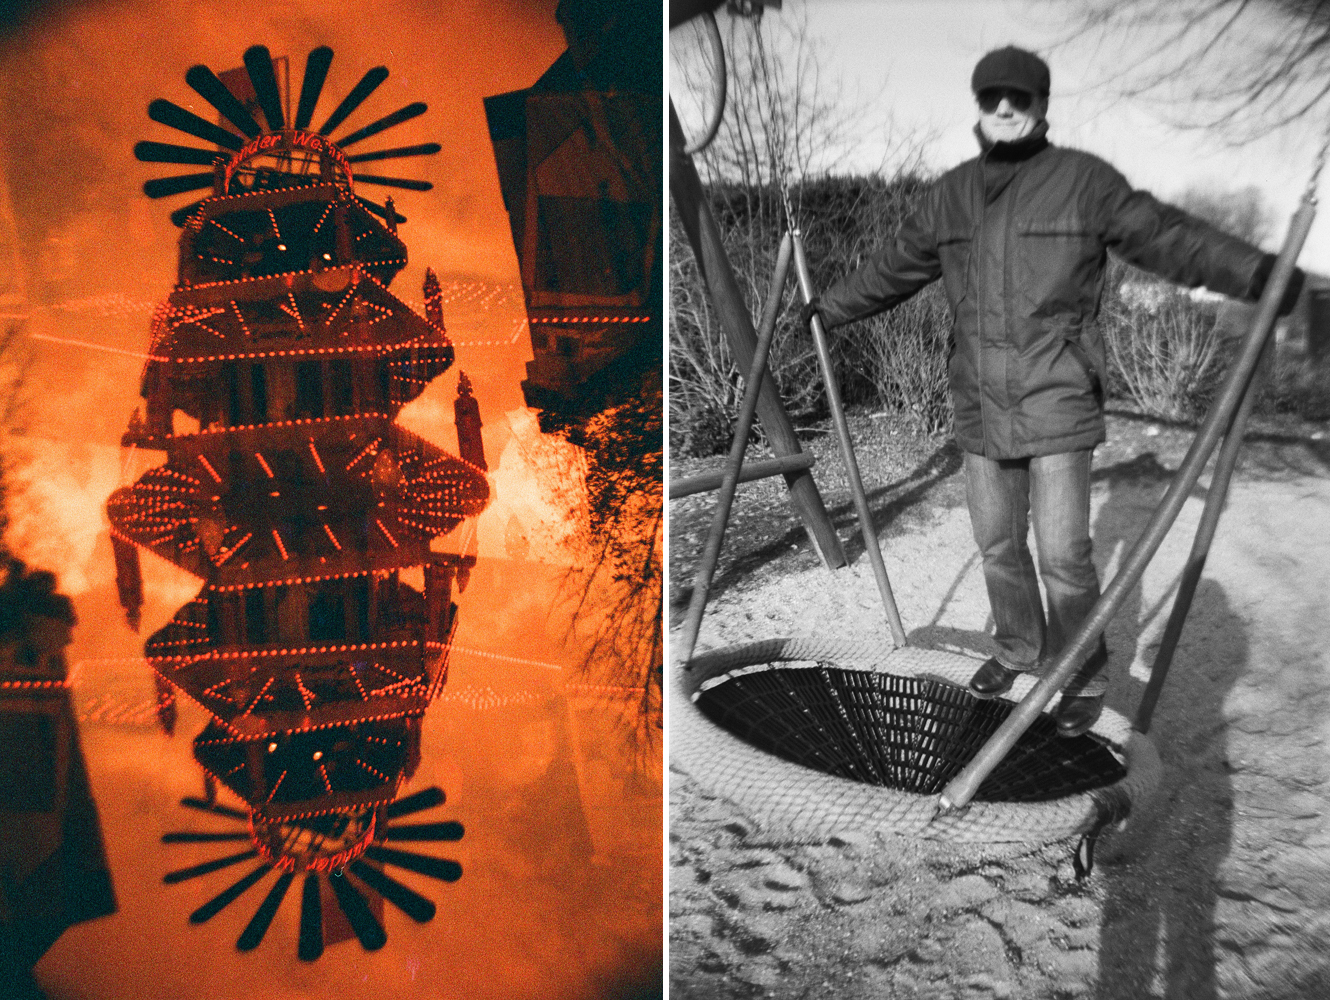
(1019, 236)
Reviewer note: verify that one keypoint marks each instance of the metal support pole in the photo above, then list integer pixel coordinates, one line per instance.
(1200, 548)
(847, 449)
(706, 569)
(963, 787)
(704, 236)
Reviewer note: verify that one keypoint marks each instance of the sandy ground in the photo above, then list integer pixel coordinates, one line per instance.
(1220, 885)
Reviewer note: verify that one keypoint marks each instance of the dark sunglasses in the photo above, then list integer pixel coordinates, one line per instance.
(990, 97)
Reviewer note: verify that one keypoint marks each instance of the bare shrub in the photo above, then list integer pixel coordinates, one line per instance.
(907, 351)
(1301, 387)
(703, 378)
(705, 382)
(1164, 352)
(896, 361)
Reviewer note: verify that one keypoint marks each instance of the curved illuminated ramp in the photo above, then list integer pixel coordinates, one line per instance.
(339, 859)
(253, 147)
(293, 499)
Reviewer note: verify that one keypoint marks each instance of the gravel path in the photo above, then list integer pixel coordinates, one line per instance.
(1220, 885)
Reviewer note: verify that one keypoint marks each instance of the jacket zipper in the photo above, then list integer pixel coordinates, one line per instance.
(979, 313)
(1008, 232)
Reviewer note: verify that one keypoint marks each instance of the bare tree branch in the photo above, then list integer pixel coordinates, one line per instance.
(1247, 67)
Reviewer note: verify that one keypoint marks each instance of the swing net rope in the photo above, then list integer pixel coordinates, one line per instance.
(814, 738)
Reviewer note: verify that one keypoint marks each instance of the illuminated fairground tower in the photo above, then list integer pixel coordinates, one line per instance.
(275, 372)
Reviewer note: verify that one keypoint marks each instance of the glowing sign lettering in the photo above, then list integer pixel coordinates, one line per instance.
(288, 141)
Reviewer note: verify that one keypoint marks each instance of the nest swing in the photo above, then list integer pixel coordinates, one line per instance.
(815, 738)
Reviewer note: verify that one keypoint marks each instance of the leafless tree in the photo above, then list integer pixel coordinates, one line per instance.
(611, 486)
(1250, 66)
(1242, 213)
(624, 578)
(787, 123)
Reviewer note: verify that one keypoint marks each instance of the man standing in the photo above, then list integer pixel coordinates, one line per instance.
(1019, 236)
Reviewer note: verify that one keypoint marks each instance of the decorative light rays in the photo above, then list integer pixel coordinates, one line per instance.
(264, 699)
(344, 849)
(412, 351)
(372, 301)
(168, 507)
(275, 154)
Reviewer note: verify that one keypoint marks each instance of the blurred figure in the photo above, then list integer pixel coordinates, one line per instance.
(53, 868)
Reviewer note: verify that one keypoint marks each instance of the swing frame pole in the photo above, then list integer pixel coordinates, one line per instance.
(963, 787)
(706, 569)
(866, 528)
(733, 316)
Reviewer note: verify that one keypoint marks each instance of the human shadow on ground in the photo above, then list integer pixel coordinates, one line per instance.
(1157, 933)
(1158, 920)
(887, 504)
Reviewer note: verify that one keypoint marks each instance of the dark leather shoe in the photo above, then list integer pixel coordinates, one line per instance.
(1077, 713)
(992, 679)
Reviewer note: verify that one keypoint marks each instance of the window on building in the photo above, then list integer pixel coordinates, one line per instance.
(360, 595)
(256, 623)
(231, 382)
(343, 395)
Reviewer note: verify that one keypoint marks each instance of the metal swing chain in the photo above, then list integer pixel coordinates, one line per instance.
(865, 515)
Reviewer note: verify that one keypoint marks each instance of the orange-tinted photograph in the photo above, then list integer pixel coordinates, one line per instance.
(999, 479)
(330, 607)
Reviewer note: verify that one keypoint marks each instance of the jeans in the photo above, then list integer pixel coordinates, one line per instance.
(1053, 492)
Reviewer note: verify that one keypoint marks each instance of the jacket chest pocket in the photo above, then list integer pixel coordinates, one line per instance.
(1056, 266)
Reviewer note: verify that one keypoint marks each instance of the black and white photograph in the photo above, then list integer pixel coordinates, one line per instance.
(998, 516)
